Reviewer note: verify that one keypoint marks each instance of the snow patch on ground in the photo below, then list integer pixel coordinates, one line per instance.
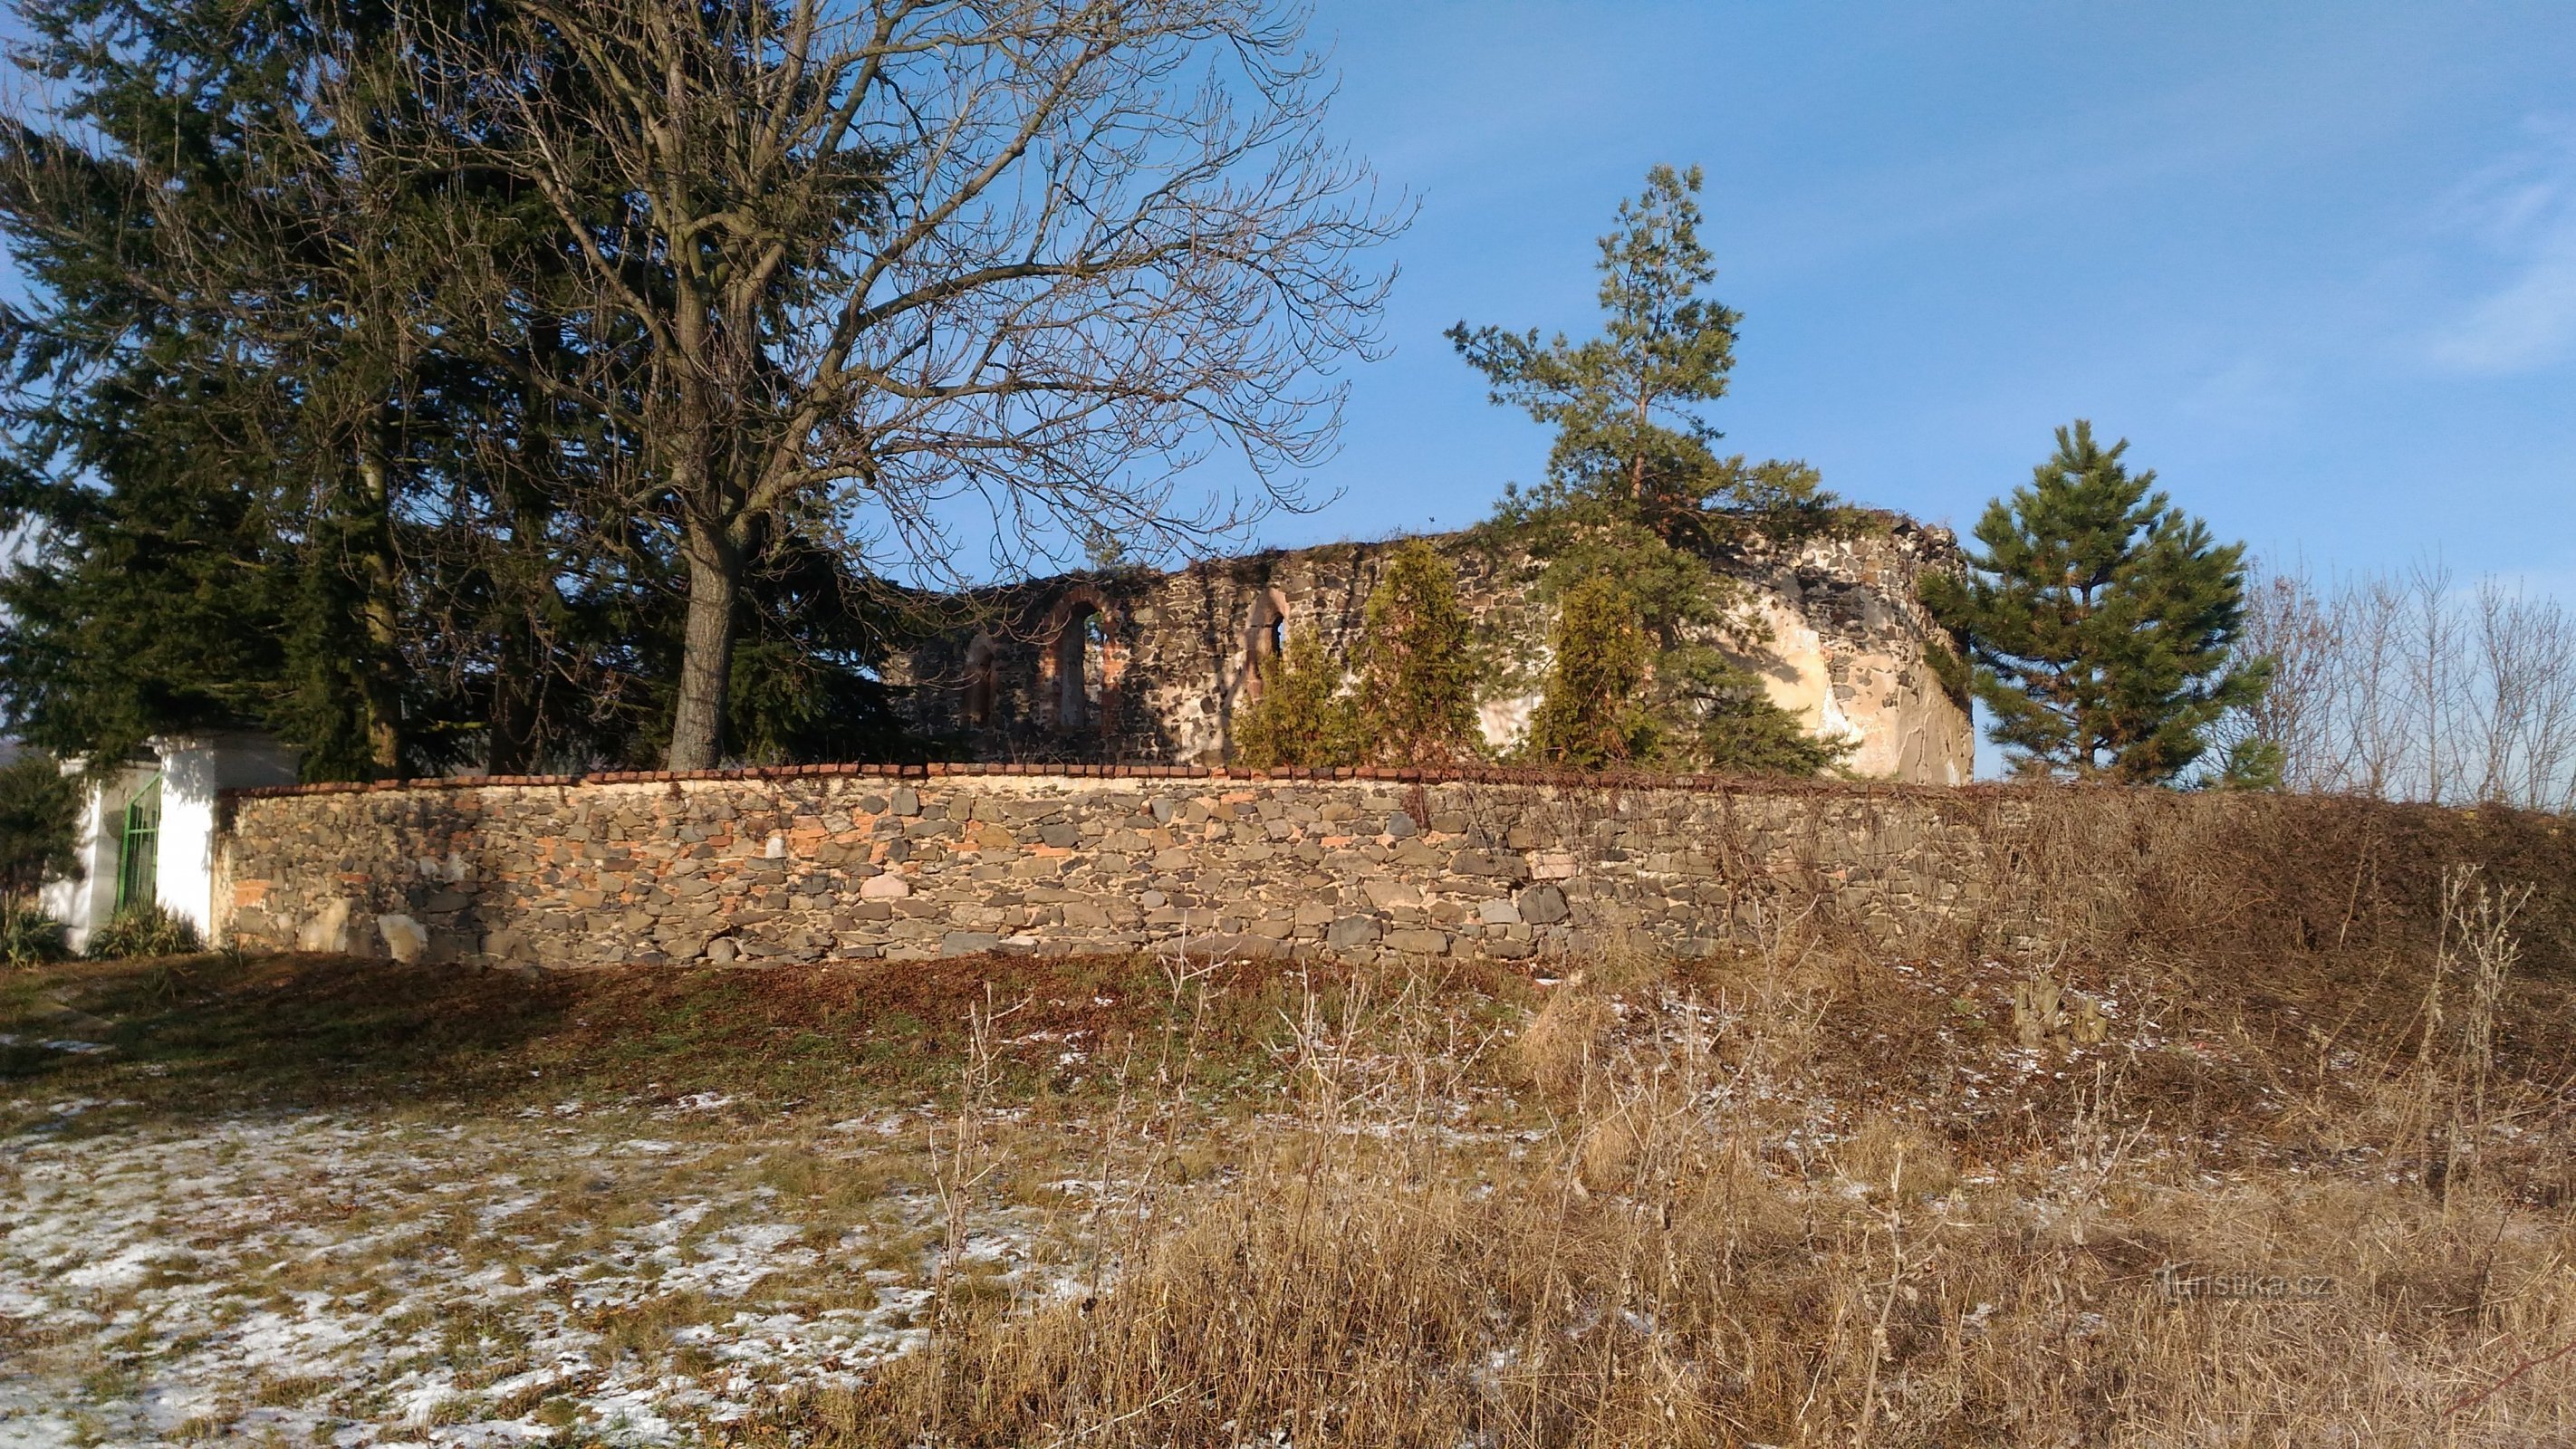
(494, 1282)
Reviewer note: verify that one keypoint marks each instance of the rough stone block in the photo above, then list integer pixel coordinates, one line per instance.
(1351, 932)
(1387, 894)
(1552, 865)
(327, 929)
(1543, 905)
(405, 937)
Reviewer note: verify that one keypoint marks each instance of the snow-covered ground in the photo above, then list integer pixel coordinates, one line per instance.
(381, 1279)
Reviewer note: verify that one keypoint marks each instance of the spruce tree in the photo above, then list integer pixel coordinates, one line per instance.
(39, 821)
(1417, 666)
(2101, 620)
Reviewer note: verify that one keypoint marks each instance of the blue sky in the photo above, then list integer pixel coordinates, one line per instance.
(2318, 262)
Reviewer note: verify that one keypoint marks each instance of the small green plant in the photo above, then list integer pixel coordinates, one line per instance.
(28, 937)
(148, 930)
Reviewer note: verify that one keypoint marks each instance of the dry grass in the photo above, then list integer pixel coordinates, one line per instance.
(1730, 1237)
(1558, 1053)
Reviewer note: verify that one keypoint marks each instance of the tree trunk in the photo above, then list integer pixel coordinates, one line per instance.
(512, 726)
(379, 613)
(706, 649)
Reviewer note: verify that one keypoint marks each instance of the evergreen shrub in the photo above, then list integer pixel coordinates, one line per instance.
(1417, 665)
(1302, 717)
(1589, 716)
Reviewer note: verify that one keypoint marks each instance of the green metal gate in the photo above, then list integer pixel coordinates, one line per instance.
(138, 847)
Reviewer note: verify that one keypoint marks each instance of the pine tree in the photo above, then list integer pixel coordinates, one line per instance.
(1637, 494)
(1625, 404)
(1590, 716)
(1302, 717)
(1417, 666)
(2101, 621)
(1738, 730)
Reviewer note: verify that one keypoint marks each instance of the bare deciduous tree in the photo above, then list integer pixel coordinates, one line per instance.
(2526, 714)
(904, 267)
(2288, 624)
(2410, 687)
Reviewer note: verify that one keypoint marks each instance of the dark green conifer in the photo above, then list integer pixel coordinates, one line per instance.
(39, 820)
(2101, 620)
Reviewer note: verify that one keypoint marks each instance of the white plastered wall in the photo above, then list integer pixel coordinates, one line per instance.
(195, 770)
(85, 901)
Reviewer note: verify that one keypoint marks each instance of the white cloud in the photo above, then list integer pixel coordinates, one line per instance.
(2522, 212)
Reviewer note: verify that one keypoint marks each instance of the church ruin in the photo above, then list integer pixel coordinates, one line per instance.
(1139, 666)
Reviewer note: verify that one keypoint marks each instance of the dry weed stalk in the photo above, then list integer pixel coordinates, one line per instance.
(961, 1169)
(1555, 1052)
(2455, 1059)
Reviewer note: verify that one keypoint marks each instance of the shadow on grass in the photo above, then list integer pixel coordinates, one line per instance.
(210, 1034)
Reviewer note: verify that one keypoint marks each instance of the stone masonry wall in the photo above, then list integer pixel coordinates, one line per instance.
(863, 863)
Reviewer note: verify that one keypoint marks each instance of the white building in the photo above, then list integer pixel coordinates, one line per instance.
(148, 832)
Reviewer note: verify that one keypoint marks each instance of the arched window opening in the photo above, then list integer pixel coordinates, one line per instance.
(982, 681)
(1081, 667)
(1265, 639)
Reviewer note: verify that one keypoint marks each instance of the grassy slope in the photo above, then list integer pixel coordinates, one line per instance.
(213, 1034)
(1840, 1197)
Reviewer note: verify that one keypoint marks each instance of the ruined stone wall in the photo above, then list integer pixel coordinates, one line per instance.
(846, 865)
(1847, 650)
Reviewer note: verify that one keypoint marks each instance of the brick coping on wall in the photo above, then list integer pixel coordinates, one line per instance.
(1491, 775)
(1607, 780)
